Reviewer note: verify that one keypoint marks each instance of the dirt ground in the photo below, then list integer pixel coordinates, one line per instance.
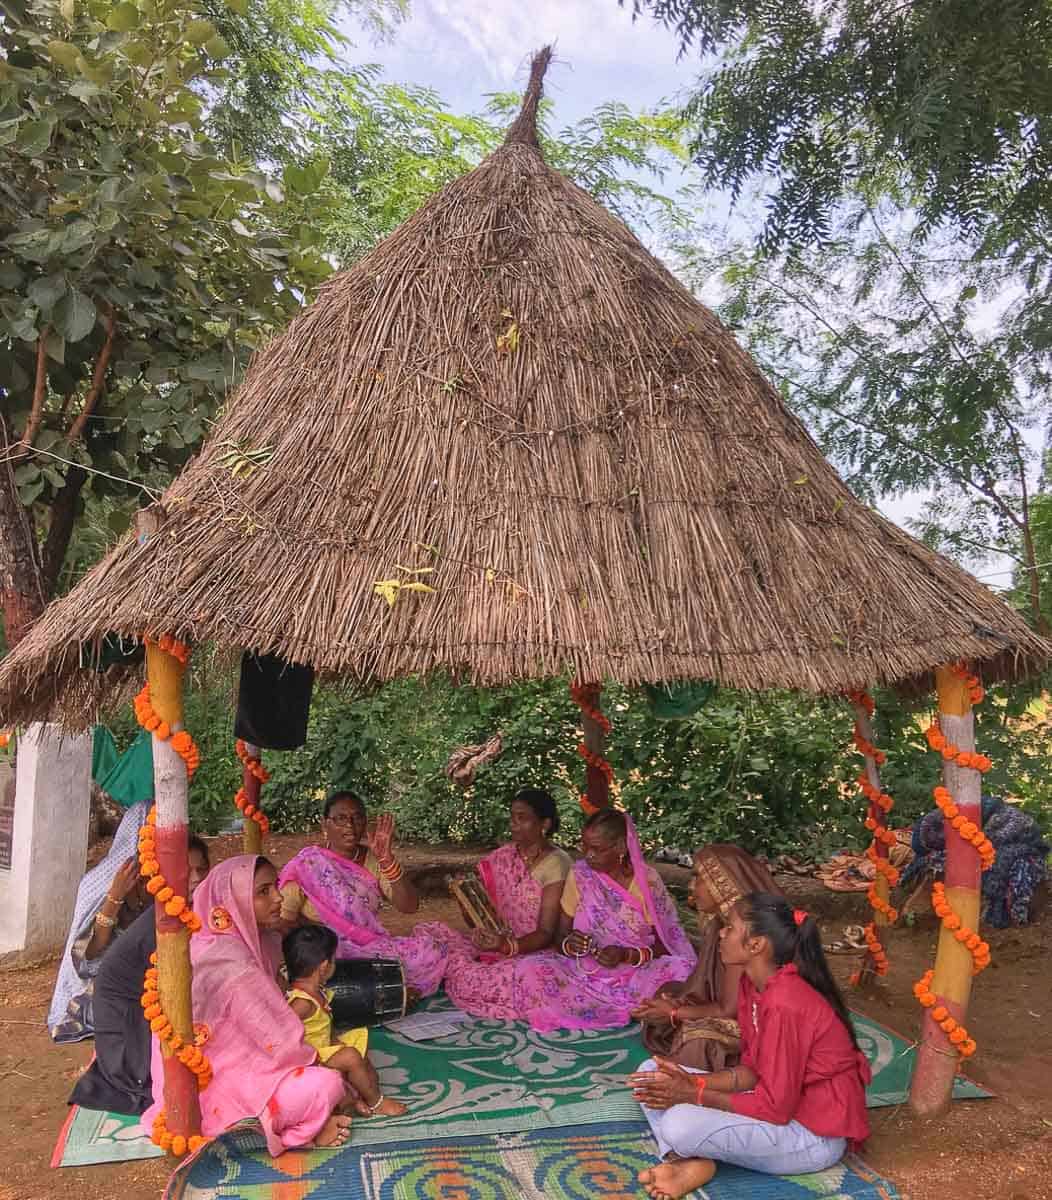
(997, 1149)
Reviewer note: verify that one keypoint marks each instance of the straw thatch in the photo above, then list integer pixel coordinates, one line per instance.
(512, 392)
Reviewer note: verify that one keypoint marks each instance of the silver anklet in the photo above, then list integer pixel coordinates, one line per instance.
(374, 1107)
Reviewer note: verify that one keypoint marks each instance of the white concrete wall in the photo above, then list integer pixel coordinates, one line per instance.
(52, 808)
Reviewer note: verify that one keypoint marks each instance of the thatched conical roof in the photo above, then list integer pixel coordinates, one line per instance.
(510, 391)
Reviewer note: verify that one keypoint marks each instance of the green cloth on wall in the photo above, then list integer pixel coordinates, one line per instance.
(104, 753)
(131, 777)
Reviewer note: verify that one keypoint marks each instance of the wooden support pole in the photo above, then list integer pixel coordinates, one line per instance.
(597, 787)
(937, 1058)
(165, 676)
(251, 831)
(880, 883)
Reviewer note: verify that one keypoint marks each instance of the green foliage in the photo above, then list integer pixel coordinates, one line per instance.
(943, 100)
(118, 209)
(773, 773)
(904, 358)
(388, 148)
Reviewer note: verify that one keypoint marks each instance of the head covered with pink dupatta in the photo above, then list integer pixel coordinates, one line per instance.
(615, 823)
(253, 1037)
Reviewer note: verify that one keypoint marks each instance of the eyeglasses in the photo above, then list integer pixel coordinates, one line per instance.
(345, 820)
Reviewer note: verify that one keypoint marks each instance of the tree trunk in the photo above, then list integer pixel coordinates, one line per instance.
(63, 518)
(21, 585)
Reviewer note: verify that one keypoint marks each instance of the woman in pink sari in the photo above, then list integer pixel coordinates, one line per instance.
(342, 884)
(261, 1066)
(524, 880)
(620, 938)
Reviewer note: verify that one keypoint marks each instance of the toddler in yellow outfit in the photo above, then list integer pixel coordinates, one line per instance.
(309, 960)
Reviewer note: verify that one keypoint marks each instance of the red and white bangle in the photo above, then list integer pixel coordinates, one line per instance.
(699, 1088)
(392, 871)
(673, 1017)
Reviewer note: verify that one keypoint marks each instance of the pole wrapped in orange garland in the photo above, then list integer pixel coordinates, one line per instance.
(944, 992)
(159, 708)
(256, 824)
(880, 805)
(595, 727)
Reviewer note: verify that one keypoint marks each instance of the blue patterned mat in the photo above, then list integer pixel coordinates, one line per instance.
(582, 1163)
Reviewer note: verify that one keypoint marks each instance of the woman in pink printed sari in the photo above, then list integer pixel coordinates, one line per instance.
(524, 880)
(342, 884)
(620, 937)
(261, 1066)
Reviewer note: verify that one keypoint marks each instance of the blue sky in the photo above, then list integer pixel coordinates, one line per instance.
(465, 49)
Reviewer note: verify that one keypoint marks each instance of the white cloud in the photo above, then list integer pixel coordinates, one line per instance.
(466, 48)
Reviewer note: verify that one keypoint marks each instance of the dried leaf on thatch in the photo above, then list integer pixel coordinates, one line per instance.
(622, 495)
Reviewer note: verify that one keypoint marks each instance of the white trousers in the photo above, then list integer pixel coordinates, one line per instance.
(692, 1131)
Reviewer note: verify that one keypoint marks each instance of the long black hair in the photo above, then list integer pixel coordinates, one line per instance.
(773, 917)
(543, 805)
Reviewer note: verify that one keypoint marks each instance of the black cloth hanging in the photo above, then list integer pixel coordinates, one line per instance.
(273, 702)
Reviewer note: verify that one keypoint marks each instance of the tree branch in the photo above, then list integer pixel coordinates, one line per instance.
(98, 379)
(36, 413)
(988, 493)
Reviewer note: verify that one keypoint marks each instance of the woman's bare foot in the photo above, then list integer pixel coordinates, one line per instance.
(386, 1108)
(335, 1131)
(670, 1180)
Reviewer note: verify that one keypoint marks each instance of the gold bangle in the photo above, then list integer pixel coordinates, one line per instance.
(104, 921)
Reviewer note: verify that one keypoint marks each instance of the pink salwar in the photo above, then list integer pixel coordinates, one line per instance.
(551, 991)
(483, 984)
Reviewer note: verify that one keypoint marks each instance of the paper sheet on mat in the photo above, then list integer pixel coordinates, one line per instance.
(426, 1026)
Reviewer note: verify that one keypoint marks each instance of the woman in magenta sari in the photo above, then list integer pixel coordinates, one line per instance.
(261, 1066)
(342, 884)
(524, 880)
(620, 938)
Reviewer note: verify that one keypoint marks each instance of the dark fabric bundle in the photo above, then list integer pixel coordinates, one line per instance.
(273, 702)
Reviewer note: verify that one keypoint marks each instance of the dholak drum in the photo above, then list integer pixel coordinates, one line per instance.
(367, 991)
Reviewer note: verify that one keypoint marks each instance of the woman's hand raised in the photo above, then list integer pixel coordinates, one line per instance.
(382, 837)
(126, 878)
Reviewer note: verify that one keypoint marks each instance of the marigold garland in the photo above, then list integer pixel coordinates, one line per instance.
(580, 694)
(255, 768)
(980, 950)
(174, 905)
(880, 802)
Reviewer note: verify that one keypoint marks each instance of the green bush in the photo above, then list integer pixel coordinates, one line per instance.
(773, 772)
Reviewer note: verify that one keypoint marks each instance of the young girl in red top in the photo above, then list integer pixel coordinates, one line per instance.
(797, 1099)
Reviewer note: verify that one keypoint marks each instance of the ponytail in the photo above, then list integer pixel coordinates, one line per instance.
(797, 942)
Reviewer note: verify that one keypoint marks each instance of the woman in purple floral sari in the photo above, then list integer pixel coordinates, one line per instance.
(342, 883)
(524, 880)
(620, 937)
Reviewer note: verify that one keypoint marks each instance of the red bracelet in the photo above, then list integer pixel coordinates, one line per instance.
(673, 1016)
(699, 1088)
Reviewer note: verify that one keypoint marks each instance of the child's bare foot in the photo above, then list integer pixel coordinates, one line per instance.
(670, 1180)
(335, 1131)
(386, 1108)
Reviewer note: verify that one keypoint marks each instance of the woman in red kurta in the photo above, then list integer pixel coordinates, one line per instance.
(797, 1099)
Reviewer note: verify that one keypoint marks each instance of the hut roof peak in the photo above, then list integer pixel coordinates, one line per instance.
(523, 130)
